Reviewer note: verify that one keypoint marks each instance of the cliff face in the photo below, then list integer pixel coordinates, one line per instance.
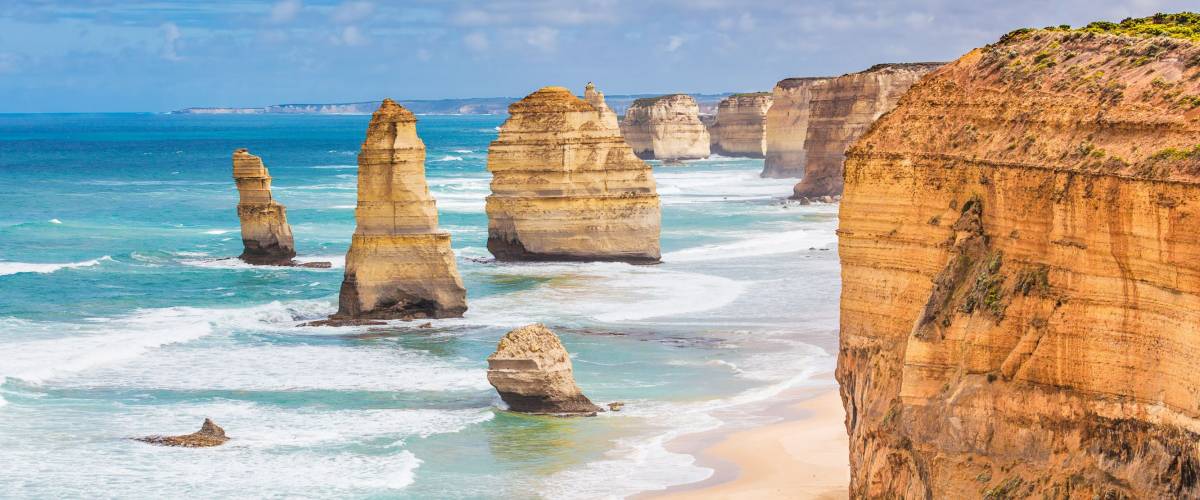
(400, 265)
(1020, 276)
(841, 110)
(740, 126)
(667, 128)
(596, 98)
(566, 187)
(787, 127)
(266, 235)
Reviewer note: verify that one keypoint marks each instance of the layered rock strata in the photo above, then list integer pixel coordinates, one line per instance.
(1020, 247)
(400, 265)
(786, 127)
(532, 372)
(740, 125)
(596, 98)
(566, 187)
(266, 235)
(841, 110)
(666, 128)
(210, 434)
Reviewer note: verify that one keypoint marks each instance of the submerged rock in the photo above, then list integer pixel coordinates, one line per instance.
(667, 128)
(210, 434)
(400, 265)
(532, 372)
(566, 187)
(266, 235)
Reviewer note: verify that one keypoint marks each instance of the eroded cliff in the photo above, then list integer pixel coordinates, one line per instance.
(1020, 246)
(596, 99)
(740, 125)
(841, 110)
(400, 265)
(787, 127)
(566, 187)
(666, 128)
(266, 235)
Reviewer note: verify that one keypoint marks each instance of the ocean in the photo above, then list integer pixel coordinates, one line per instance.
(122, 316)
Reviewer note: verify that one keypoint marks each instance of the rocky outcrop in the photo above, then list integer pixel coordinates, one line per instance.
(666, 128)
(210, 434)
(841, 110)
(596, 98)
(1020, 281)
(740, 125)
(787, 127)
(566, 187)
(266, 235)
(532, 372)
(400, 265)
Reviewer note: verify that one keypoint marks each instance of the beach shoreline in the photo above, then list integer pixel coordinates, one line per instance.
(801, 454)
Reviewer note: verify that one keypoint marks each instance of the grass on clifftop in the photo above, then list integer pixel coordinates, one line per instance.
(1184, 25)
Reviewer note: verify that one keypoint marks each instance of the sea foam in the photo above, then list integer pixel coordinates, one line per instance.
(7, 268)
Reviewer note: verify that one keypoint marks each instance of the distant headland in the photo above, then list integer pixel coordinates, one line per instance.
(467, 106)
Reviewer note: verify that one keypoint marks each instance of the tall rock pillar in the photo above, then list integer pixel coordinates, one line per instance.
(266, 235)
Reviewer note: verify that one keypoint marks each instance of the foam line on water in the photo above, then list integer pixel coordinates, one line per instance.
(7, 268)
(757, 245)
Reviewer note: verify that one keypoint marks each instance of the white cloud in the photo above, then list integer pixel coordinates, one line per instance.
(674, 42)
(476, 41)
(8, 63)
(542, 38)
(476, 17)
(424, 55)
(171, 36)
(350, 12)
(350, 36)
(285, 11)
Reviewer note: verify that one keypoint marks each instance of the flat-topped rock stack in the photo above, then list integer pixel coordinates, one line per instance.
(400, 265)
(266, 235)
(666, 128)
(532, 372)
(740, 125)
(566, 187)
(787, 127)
(596, 99)
(841, 110)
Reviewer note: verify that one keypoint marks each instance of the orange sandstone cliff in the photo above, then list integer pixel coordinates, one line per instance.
(566, 186)
(841, 110)
(400, 265)
(786, 127)
(1020, 246)
(266, 235)
(740, 125)
(666, 128)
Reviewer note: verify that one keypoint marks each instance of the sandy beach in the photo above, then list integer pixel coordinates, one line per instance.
(804, 456)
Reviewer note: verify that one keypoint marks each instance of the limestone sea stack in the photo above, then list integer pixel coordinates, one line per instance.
(666, 128)
(596, 99)
(266, 235)
(210, 434)
(1020, 249)
(740, 125)
(532, 372)
(400, 265)
(566, 187)
(841, 110)
(787, 127)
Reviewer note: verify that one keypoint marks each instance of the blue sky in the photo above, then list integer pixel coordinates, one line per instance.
(101, 55)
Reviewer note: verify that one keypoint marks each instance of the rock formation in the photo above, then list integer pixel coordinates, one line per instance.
(841, 110)
(266, 235)
(400, 265)
(596, 99)
(787, 126)
(567, 187)
(532, 372)
(740, 125)
(667, 128)
(210, 434)
(1020, 274)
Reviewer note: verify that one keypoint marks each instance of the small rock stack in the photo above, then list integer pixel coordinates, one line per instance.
(532, 372)
(266, 235)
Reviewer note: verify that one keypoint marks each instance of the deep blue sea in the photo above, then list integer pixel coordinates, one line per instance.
(121, 316)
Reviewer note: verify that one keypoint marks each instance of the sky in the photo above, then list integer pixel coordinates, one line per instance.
(101, 55)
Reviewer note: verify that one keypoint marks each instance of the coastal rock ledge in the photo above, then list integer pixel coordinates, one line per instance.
(400, 265)
(532, 372)
(566, 187)
(210, 434)
(266, 235)
(1020, 250)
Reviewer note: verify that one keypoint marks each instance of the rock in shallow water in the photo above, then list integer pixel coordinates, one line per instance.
(210, 434)
(266, 235)
(532, 372)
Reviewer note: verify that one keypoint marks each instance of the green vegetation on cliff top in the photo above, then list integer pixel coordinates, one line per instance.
(1184, 25)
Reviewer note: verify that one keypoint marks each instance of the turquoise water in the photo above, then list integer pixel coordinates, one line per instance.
(120, 317)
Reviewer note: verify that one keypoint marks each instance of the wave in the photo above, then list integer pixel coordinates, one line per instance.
(334, 167)
(219, 231)
(463, 151)
(758, 245)
(7, 268)
(54, 221)
(337, 261)
(449, 158)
